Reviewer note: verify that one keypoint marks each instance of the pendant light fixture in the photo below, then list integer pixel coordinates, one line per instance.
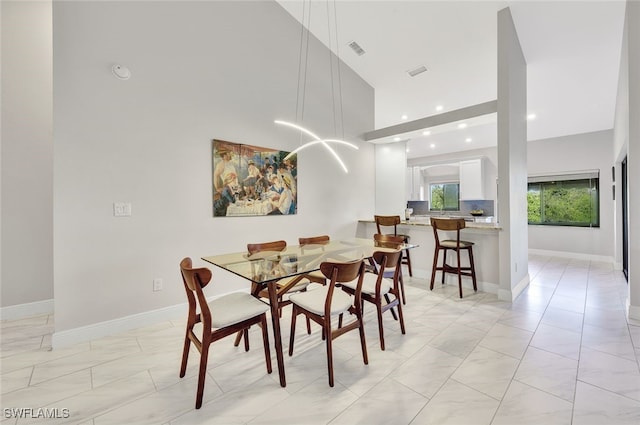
(301, 89)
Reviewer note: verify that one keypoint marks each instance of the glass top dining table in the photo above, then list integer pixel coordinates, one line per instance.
(266, 268)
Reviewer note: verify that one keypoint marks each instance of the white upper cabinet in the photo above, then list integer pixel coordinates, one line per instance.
(472, 180)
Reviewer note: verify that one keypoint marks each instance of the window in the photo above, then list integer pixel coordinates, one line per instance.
(444, 196)
(568, 200)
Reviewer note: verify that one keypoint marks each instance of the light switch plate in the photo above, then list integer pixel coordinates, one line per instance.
(122, 209)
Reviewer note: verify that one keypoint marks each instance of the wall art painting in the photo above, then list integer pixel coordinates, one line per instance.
(253, 181)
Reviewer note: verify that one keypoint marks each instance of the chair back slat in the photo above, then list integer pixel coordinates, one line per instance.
(387, 259)
(314, 240)
(276, 246)
(447, 224)
(344, 272)
(194, 279)
(388, 241)
(387, 221)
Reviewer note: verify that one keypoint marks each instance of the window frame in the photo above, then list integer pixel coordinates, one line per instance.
(443, 183)
(556, 182)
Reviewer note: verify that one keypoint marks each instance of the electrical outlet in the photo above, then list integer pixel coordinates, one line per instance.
(157, 284)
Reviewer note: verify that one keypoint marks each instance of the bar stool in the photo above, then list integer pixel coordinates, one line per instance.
(457, 245)
(393, 221)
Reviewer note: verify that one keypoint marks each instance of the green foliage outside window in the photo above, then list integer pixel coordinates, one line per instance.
(445, 197)
(564, 203)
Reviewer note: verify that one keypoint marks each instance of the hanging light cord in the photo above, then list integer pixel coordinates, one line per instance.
(302, 82)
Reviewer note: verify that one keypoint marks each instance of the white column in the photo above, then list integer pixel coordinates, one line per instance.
(512, 159)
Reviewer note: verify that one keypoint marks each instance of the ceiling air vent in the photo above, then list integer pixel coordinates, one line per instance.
(418, 70)
(356, 48)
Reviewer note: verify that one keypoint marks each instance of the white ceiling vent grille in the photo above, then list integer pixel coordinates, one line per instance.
(356, 48)
(418, 70)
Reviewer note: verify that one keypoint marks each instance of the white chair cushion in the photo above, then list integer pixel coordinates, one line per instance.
(369, 284)
(317, 274)
(297, 287)
(313, 301)
(454, 244)
(234, 308)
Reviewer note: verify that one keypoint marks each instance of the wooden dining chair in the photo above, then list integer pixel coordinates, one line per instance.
(386, 221)
(393, 242)
(311, 244)
(327, 302)
(224, 316)
(456, 245)
(376, 288)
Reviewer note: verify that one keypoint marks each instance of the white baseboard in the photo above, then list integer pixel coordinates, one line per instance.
(20, 311)
(511, 295)
(573, 255)
(633, 312)
(121, 324)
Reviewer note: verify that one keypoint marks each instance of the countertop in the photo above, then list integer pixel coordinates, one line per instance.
(425, 222)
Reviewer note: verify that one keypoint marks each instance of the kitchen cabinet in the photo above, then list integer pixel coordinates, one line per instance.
(472, 180)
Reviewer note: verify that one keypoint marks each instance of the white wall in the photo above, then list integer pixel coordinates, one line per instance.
(27, 156)
(200, 70)
(579, 152)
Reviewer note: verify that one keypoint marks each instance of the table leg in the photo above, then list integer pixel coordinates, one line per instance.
(275, 318)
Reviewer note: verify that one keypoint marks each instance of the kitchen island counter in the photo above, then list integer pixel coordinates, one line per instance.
(485, 237)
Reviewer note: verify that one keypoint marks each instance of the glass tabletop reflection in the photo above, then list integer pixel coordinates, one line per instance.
(266, 266)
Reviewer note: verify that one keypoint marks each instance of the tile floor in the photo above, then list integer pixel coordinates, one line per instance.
(562, 353)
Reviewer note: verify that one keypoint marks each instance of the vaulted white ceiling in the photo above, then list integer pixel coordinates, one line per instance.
(572, 49)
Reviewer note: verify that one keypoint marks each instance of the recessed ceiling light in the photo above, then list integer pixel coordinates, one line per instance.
(531, 116)
(468, 139)
(462, 125)
(439, 108)
(426, 133)
(432, 145)
(404, 117)
(396, 139)
(407, 149)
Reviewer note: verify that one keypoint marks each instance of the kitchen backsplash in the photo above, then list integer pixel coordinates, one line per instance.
(486, 205)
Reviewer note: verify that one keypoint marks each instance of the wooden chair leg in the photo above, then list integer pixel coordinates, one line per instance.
(473, 270)
(434, 269)
(393, 312)
(444, 264)
(329, 356)
(294, 314)
(408, 258)
(265, 340)
(400, 315)
(204, 354)
(246, 339)
(380, 327)
(363, 343)
(185, 354)
(238, 338)
(459, 274)
(401, 280)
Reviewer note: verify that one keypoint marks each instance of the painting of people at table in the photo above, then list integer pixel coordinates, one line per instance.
(251, 181)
